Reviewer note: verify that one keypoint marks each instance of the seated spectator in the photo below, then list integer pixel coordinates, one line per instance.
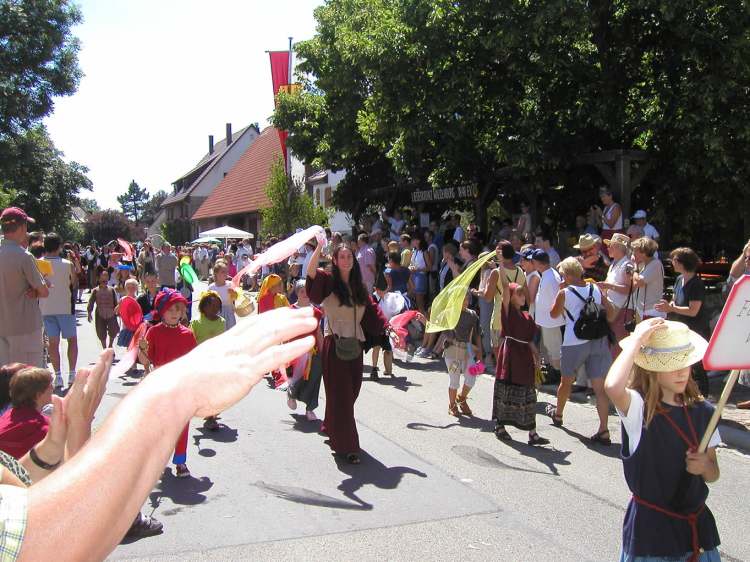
(24, 425)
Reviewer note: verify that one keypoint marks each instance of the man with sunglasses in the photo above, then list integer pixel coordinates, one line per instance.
(595, 265)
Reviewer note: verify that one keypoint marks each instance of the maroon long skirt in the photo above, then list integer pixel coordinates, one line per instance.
(342, 381)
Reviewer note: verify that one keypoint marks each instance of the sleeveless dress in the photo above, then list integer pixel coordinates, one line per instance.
(514, 401)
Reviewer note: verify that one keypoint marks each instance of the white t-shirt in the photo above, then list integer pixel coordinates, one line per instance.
(573, 306)
(532, 305)
(633, 422)
(549, 286)
(58, 301)
(651, 232)
(653, 273)
(223, 293)
(618, 275)
(608, 213)
(418, 261)
(458, 234)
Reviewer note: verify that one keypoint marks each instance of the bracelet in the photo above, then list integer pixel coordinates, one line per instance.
(40, 463)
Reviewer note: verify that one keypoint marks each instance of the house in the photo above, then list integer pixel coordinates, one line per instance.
(192, 189)
(323, 186)
(78, 215)
(241, 194)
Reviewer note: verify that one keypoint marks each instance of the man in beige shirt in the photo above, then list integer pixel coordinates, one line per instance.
(21, 287)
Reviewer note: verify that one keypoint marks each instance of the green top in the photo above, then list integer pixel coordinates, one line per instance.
(205, 329)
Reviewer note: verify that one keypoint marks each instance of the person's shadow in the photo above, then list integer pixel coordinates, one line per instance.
(399, 383)
(549, 457)
(182, 491)
(300, 423)
(224, 434)
(371, 472)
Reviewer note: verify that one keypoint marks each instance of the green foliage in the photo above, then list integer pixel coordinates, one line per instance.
(72, 231)
(291, 207)
(88, 204)
(39, 60)
(45, 185)
(509, 95)
(133, 201)
(176, 231)
(105, 226)
(152, 207)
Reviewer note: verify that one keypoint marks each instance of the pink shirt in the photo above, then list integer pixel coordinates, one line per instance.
(366, 259)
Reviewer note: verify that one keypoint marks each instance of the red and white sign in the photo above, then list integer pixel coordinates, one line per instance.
(729, 348)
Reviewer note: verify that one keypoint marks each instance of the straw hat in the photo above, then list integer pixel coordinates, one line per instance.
(618, 238)
(673, 347)
(586, 241)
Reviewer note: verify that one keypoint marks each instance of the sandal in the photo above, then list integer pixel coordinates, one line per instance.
(502, 434)
(537, 439)
(353, 458)
(551, 411)
(599, 438)
(453, 410)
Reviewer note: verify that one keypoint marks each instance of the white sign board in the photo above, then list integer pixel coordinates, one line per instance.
(729, 348)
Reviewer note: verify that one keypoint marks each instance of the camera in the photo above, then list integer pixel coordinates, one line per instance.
(629, 268)
(630, 326)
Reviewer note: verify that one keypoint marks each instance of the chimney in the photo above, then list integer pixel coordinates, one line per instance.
(229, 134)
(210, 144)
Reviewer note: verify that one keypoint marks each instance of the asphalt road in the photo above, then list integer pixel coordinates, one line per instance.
(266, 487)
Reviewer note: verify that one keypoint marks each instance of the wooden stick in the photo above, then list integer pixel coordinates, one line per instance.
(728, 386)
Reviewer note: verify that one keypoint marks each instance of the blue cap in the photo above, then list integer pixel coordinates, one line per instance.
(540, 255)
(528, 254)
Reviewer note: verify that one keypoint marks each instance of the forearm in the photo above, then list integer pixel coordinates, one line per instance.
(617, 378)
(49, 452)
(713, 473)
(682, 311)
(125, 459)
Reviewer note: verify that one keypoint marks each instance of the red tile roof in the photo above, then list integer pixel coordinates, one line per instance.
(243, 189)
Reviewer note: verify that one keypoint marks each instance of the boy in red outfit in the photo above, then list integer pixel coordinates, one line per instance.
(168, 341)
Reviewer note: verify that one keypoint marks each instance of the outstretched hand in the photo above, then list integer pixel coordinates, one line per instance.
(220, 375)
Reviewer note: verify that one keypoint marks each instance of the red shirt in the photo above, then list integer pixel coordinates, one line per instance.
(21, 429)
(166, 344)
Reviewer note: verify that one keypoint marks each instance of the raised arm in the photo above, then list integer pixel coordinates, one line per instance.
(312, 265)
(615, 385)
(89, 524)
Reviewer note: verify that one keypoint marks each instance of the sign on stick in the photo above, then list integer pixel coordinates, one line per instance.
(729, 347)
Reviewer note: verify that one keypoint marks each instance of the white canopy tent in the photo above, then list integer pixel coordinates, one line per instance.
(225, 232)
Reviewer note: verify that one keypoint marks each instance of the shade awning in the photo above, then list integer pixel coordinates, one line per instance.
(225, 232)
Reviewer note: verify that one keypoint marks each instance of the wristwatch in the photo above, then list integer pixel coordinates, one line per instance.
(40, 463)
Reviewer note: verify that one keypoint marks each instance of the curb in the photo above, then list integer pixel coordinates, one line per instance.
(730, 435)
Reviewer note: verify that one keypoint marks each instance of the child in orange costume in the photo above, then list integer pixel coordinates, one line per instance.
(270, 296)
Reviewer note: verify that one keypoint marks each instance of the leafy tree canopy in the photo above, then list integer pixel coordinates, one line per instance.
(109, 225)
(152, 207)
(133, 201)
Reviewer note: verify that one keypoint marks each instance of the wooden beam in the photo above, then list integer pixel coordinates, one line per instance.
(607, 173)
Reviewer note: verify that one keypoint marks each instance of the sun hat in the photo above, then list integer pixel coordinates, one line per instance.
(586, 241)
(618, 238)
(670, 348)
(639, 214)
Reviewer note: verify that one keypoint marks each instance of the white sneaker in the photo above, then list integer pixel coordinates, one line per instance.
(291, 402)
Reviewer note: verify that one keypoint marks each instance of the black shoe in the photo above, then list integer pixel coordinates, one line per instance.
(144, 526)
(536, 439)
(374, 374)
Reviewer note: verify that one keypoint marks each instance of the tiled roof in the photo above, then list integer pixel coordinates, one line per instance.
(211, 159)
(243, 189)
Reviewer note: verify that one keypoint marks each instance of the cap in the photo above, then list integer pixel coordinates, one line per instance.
(15, 214)
(528, 254)
(540, 255)
(639, 214)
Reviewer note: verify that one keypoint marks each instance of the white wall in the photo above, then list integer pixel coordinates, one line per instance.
(339, 221)
(226, 163)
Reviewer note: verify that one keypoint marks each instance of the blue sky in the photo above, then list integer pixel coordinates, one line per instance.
(160, 76)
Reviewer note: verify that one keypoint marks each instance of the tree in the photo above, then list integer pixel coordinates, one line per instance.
(89, 204)
(39, 61)
(291, 207)
(152, 207)
(133, 201)
(176, 231)
(106, 226)
(510, 95)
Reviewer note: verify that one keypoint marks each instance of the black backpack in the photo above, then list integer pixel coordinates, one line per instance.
(592, 321)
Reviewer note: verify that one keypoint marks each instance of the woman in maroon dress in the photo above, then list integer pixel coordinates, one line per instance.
(514, 402)
(350, 312)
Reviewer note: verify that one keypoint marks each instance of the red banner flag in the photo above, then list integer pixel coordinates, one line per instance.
(280, 77)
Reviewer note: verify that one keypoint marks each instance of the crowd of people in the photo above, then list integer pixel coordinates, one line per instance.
(532, 313)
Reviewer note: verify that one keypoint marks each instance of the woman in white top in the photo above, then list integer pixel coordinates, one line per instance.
(532, 277)
(575, 352)
(618, 286)
(610, 215)
(649, 279)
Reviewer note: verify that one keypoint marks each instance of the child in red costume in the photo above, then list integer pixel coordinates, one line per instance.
(167, 341)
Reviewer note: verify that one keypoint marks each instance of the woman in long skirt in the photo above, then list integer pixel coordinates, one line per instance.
(350, 313)
(514, 401)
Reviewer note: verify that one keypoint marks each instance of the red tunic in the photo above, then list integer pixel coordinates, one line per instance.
(166, 344)
(342, 379)
(515, 362)
(21, 429)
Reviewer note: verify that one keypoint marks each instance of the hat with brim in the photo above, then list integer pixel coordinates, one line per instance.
(618, 238)
(586, 241)
(15, 214)
(670, 348)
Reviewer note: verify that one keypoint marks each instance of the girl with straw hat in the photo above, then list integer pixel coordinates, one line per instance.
(663, 417)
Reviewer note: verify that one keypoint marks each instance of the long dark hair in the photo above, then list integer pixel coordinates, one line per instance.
(355, 290)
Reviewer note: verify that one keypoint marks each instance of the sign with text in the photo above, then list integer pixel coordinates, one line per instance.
(729, 347)
(444, 194)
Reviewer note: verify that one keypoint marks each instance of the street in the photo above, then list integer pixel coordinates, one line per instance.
(430, 487)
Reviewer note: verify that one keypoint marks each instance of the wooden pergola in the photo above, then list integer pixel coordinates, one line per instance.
(623, 171)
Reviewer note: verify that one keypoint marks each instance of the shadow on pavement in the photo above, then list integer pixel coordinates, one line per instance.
(482, 458)
(371, 472)
(550, 458)
(472, 422)
(612, 451)
(182, 491)
(400, 383)
(302, 424)
(309, 497)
